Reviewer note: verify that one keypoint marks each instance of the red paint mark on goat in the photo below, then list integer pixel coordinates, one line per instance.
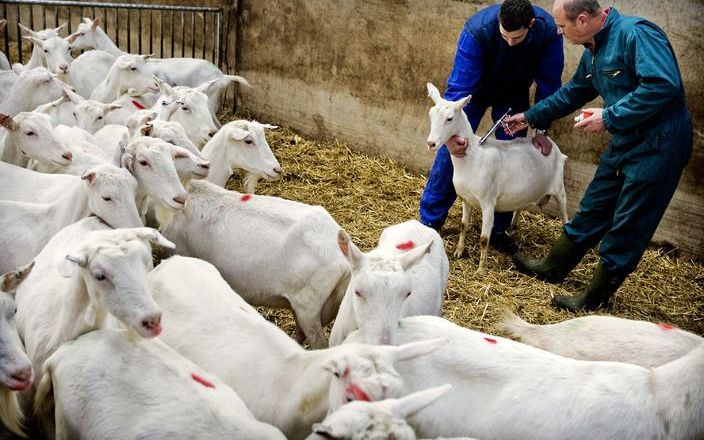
(406, 246)
(206, 383)
(665, 326)
(136, 104)
(490, 340)
(245, 197)
(358, 393)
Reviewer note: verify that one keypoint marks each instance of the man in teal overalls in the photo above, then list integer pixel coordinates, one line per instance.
(630, 63)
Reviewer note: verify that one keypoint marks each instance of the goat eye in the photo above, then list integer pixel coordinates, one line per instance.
(107, 199)
(164, 102)
(248, 141)
(356, 292)
(134, 69)
(69, 48)
(100, 277)
(186, 109)
(99, 118)
(46, 51)
(30, 133)
(143, 163)
(450, 119)
(74, 116)
(82, 34)
(408, 294)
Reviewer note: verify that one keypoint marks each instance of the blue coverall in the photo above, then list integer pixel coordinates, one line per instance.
(497, 76)
(633, 68)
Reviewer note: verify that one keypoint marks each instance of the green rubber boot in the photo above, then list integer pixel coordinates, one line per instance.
(563, 257)
(600, 290)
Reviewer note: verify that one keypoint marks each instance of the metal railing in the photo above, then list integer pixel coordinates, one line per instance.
(165, 31)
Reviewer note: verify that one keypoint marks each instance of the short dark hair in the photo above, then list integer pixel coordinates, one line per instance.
(575, 7)
(516, 14)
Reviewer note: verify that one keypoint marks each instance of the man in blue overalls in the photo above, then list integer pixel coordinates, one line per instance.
(629, 62)
(502, 50)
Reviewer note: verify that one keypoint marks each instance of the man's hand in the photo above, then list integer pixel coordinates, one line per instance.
(594, 123)
(457, 146)
(515, 123)
(541, 142)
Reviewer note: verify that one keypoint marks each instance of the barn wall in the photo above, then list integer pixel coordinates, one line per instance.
(356, 70)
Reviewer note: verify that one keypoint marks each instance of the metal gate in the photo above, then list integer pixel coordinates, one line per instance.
(163, 30)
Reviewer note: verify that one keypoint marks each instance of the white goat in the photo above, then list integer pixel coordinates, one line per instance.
(241, 145)
(405, 275)
(15, 368)
(385, 419)
(55, 53)
(7, 79)
(109, 385)
(243, 349)
(88, 114)
(4, 62)
(21, 184)
(32, 88)
(101, 271)
(128, 72)
(272, 251)
(499, 176)
(37, 58)
(607, 338)
(109, 192)
(177, 71)
(30, 135)
(505, 389)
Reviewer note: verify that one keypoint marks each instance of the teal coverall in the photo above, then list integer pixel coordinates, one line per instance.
(633, 68)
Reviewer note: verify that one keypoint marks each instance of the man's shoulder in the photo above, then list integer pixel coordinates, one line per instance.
(484, 18)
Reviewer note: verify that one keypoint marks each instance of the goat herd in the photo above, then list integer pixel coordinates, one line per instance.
(114, 141)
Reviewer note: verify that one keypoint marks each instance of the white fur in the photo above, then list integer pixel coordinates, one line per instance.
(499, 176)
(30, 135)
(272, 251)
(108, 192)
(241, 145)
(283, 384)
(108, 385)
(607, 338)
(505, 389)
(389, 283)
(128, 72)
(21, 184)
(32, 88)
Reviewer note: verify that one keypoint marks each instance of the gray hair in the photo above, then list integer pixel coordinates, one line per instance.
(575, 7)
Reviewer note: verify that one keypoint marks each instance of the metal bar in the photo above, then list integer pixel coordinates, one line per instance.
(113, 5)
(117, 27)
(69, 20)
(205, 16)
(6, 31)
(129, 32)
(172, 34)
(56, 16)
(161, 35)
(19, 35)
(151, 32)
(43, 18)
(193, 35)
(105, 20)
(215, 44)
(183, 36)
(139, 30)
(219, 37)
(31, 16)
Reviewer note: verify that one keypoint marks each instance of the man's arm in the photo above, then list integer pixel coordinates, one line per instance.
(548, 78)
(466, 70)
(658, 81)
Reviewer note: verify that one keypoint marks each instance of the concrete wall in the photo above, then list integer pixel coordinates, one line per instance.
(356, 70)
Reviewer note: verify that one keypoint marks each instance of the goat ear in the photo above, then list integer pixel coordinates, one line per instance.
(127, 160)
(180, 153)
(154, 237)
(459, 105)
(95, 23)
(60, 28)
(414, 349)
(238, 134)
(408, 259)
(71, 94)
(163, 86)
(112, 106)
(86, 20)
(71, 263)
(338, 368)
(409, 405)
(25, 30)
(269, 126)
(324, 431)
(37, 41)
(72, 38)
(10, 281)
(3, 22)
(145, 57)
(146, 129)
(349, 250)
(89, 176)
(7, 122)
(434, 93)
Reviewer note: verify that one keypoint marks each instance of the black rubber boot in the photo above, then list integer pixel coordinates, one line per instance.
(563, 257)
(597, 295)
(503, 243)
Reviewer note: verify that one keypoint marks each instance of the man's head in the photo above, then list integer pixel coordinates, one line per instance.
(515, 19)
(577, 20)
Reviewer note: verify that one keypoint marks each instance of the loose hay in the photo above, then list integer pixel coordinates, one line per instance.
(366, 194)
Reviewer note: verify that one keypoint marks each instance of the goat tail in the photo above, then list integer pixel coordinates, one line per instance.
(513, 324)
(10, 412)
(238, 79)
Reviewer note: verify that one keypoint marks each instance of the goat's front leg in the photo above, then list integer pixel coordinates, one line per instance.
(487, 226)
(466, 210)
(561, 198)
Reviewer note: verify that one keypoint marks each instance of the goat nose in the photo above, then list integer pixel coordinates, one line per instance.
(212, 132)
(64, 68)
(431, 144)
(277, 169)
(68, 155)
(22, 375)
(181, 198)
(153, 324)
(205, 166)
